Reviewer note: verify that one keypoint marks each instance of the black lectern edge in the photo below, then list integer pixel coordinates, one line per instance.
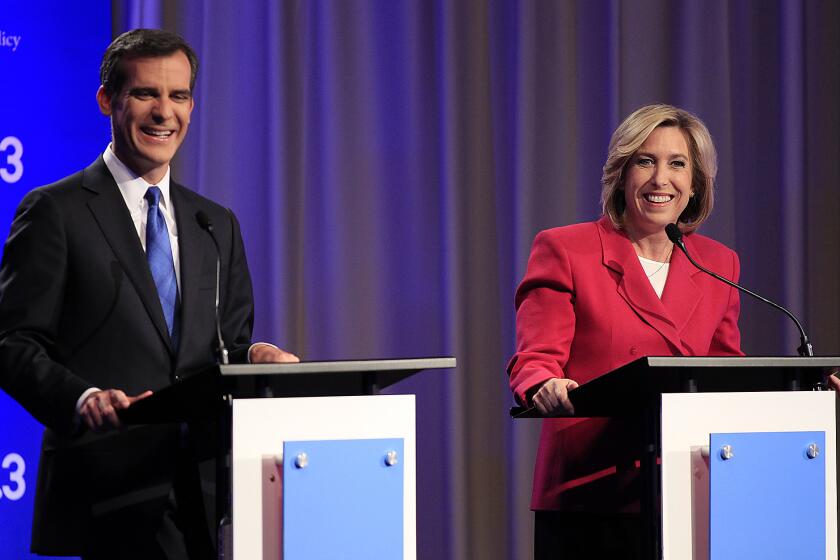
(197, 396)
(658, 364)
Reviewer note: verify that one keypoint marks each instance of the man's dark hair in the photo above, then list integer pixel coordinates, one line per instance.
(141, 43)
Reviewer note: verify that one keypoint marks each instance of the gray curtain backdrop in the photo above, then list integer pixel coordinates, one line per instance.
(392, 160)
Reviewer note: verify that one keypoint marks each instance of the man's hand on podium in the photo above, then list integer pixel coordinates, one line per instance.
(99, 410)
(264, 353)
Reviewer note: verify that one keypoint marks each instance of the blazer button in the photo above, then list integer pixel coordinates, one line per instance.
(177, 378)
(634, 350)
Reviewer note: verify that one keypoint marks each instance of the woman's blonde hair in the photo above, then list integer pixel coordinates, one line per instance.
(632, 133)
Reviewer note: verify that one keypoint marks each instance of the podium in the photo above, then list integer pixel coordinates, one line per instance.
(697, 503)
(305, 440)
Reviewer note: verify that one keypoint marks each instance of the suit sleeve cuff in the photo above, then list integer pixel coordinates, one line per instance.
(84, 397)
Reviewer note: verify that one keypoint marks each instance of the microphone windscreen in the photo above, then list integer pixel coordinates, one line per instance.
(674, 233)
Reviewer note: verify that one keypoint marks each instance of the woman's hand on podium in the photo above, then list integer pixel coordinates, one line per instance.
(552, 399)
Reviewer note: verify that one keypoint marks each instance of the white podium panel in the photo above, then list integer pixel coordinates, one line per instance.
(687, 421)
(261, 426)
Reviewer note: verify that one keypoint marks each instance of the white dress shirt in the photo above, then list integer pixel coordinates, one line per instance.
(657, 273)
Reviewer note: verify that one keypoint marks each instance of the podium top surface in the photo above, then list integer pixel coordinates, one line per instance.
(339, 366)
(739, 361)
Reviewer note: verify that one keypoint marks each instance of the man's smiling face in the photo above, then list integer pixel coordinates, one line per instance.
(151, 114)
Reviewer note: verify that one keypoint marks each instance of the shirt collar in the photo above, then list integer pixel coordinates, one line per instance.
(132, 187)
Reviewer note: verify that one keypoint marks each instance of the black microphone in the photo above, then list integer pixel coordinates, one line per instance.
(205, 224)
(675, 235)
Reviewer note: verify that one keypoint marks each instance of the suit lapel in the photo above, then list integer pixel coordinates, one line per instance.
(109, 211)
(634, 287)
(191, 255)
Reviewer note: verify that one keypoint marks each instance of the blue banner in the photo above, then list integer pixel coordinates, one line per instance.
(50, 126)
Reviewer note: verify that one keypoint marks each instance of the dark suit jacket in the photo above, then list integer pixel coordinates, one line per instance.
(584, 308)
(79, 309)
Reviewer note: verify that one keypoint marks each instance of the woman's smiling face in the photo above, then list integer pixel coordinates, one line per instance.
(657, 182)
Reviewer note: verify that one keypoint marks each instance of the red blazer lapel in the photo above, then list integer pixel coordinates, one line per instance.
(682, 295)
(634, 287)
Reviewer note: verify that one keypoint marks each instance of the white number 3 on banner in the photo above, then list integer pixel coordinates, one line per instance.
(12, 160)
(17, 488)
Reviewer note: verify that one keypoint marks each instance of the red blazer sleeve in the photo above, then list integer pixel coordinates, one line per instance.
(545, 318)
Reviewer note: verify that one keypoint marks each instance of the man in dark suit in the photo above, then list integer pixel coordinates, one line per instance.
(106, 294)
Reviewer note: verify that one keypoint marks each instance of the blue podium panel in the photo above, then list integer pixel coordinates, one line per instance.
(343, 499)
(767, 499)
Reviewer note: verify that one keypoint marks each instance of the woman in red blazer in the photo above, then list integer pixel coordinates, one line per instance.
(599, 295)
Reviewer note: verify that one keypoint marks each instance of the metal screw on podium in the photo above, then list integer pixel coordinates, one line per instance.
(813, 451)
(301, 460)
(726, 452)
(391, 458)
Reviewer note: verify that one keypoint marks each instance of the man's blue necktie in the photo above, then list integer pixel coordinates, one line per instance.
(159, 255)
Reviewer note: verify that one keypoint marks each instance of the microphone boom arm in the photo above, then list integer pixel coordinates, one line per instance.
(805, 348)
